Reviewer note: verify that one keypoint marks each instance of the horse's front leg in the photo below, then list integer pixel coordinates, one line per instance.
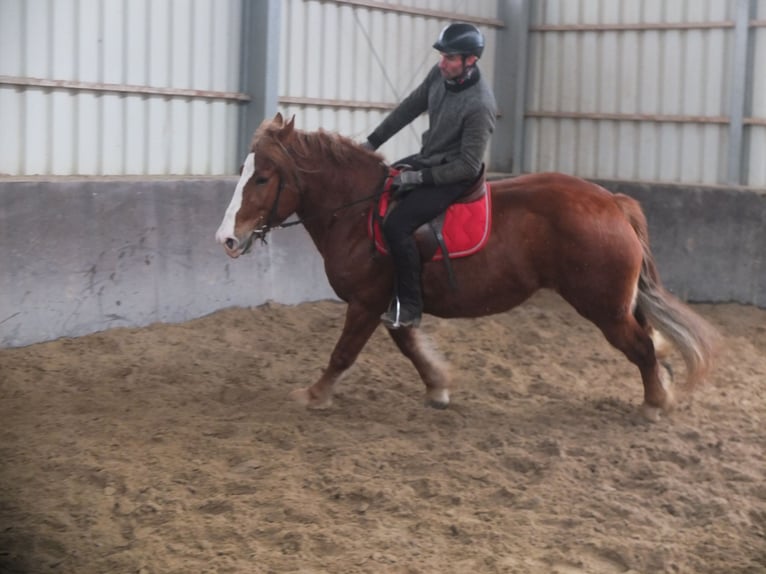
(429, 364)
(359, 326)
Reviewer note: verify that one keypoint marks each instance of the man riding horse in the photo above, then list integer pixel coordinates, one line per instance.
(461, 115)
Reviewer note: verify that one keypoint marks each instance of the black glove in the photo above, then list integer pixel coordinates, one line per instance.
(405, 181)
(367, 145)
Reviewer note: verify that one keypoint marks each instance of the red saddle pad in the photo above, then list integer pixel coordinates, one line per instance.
(466, 226)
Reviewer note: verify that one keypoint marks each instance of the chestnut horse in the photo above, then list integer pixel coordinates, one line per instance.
(549, 231)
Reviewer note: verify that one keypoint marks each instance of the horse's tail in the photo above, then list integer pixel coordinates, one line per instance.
(695, 338)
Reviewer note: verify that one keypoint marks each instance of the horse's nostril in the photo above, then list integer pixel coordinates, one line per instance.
(230, 243)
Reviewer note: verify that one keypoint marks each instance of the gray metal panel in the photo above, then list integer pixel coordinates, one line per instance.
(111, 54)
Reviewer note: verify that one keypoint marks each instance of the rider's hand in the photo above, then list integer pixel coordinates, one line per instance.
(367, 145)
(405, 181)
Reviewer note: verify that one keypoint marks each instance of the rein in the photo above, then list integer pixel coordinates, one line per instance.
(262, 231)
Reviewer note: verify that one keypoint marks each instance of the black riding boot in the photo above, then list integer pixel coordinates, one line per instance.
(406, 306)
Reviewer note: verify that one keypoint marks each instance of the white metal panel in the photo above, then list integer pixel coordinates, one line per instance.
(60, 150)
(190, 44)
(137, 51)
(334, 52)
(113, 120)
(11, 124)
(36, 30)
(670, 72)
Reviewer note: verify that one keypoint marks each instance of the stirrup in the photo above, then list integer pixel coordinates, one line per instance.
(397, 317)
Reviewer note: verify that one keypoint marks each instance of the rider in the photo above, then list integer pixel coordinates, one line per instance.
(461, 116)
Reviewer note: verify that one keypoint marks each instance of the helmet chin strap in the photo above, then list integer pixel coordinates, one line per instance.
(468, 71)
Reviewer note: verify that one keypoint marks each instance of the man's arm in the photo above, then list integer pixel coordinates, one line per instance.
(410, 108)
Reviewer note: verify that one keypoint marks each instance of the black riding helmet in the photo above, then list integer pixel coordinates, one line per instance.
(460, 38)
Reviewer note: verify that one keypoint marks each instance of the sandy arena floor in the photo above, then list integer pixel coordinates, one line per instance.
(175, 449)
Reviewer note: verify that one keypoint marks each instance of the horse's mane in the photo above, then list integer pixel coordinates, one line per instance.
(320, 146)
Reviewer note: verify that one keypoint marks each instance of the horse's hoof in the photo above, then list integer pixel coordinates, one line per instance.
(437, 398)
(303, 397)
(652, 414)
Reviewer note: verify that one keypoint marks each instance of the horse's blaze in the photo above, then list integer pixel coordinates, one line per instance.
(225, 234)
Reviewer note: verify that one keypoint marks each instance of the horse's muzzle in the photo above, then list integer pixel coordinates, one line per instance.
(231, 246)
(234, 247)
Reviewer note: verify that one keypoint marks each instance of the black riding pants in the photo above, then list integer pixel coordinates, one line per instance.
(417, 207)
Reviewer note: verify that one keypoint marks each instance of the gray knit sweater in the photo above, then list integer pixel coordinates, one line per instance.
(460, 125)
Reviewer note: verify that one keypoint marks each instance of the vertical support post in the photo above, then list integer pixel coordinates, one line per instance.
(507, 152)
(259, 66)
(741, 85)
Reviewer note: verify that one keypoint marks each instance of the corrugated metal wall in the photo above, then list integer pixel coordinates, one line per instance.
(639, 90)
(642, 90)
(74, 77)
(345, 65)
(110, 87)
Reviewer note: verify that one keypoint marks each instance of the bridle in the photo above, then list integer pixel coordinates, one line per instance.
(260, 233)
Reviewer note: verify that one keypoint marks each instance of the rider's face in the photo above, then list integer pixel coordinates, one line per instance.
(451, 65)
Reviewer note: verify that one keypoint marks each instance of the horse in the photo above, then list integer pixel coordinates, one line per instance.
(548, 231)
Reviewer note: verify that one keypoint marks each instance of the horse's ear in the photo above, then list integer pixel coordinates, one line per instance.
(288, 129)
(278, 119)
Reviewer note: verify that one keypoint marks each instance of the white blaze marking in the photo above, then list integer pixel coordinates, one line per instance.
(226, 229)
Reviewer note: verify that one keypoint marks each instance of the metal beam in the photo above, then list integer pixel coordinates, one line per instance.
(333, 103)
(634, 27)
(741, 82)
(129, 89)
(414, 11)
(603, 116)
(510, 87)
(665, 119)
(259, 66)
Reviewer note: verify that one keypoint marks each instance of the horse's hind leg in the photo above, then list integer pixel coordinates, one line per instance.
(430, 366)
(626, 334)
(359, 326)
(661, 345)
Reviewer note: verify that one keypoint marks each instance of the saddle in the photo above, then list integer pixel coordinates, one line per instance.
(460, 231)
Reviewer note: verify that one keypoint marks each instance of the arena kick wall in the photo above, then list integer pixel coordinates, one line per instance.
(80, 256)
(84, 255)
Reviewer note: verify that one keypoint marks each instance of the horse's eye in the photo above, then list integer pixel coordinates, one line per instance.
(260, 180)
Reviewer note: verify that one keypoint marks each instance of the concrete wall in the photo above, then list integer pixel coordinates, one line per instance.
(86, 255)
(78, 256)
(709, 242)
